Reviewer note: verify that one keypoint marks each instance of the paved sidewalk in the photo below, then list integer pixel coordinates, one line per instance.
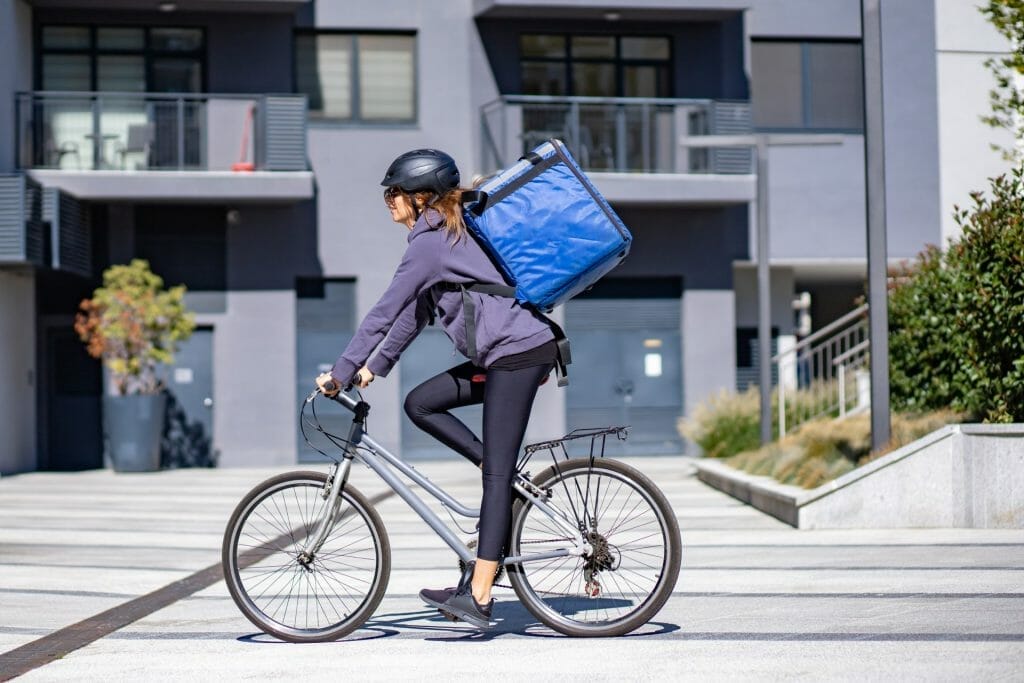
(755, 600)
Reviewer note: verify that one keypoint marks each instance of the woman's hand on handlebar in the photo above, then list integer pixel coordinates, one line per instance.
(363, 377)
(328, 385)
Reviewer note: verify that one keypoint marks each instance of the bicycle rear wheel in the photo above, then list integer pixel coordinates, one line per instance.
(636, 550)
(313, 601)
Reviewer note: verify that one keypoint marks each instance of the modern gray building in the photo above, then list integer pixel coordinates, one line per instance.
(238, 146)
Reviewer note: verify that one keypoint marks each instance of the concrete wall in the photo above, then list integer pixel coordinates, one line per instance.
(782, 289)
(960, 476)
(17, 368)
(964, 40)
(16, 73)
(963, 476)
(816, 196)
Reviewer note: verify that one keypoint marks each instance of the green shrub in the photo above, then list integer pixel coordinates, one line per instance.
(988, 263)
(956, 319)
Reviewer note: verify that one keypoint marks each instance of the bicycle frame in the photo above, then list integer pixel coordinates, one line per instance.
(379, 459)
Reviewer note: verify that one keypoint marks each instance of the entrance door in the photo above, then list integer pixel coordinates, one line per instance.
(627, 363)
(71, 404)
(188, 433)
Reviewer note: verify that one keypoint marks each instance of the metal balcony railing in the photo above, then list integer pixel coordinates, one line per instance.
(85, 131)
(825, 373)
(619, 134)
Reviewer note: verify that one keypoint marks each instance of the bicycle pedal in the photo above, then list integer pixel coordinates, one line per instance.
(448, 616)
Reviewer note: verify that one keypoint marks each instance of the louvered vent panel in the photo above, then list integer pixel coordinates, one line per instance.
(285, 127)
(731, 118)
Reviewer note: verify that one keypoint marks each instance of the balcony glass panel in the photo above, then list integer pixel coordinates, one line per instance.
(617, 134)
(150, 131)
(66, 37)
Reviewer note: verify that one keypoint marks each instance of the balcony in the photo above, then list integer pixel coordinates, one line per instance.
(632, 147)
(153, 146)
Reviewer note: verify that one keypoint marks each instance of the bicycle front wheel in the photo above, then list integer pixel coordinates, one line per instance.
(282, 592)
(635, 549)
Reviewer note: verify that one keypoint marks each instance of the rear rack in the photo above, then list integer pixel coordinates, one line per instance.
(598, 436)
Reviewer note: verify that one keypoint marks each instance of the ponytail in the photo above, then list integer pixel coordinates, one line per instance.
(449, 206)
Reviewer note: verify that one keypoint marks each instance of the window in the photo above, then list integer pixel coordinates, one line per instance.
(595, 65)
(121, 58)
(807, 85)
(361, 77)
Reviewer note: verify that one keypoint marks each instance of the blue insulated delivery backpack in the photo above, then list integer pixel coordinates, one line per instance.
(548, 228)
(549, 231)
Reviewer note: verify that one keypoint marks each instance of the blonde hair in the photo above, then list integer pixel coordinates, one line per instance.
(450, 208)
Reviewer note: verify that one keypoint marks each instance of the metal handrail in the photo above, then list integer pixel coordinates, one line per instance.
(616, 133)
(841, 358)
(117, 94)
(826, 356)
(582, 99)
(828, 329)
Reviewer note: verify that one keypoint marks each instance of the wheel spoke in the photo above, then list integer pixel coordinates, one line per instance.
(342, 582)
(626, 565)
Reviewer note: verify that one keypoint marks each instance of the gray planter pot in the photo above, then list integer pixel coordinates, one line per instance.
(132, 426)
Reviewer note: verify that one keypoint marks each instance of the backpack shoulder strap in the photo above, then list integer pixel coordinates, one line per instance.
(563, 356)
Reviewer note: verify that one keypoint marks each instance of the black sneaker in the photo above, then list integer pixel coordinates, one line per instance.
(437, 597)
(464, 606)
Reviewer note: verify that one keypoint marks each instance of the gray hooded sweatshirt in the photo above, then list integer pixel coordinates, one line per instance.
(503, 327)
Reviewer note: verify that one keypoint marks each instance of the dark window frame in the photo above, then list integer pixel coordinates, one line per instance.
(618, 61)
(356, 103)
(93, 51)
(805, 86)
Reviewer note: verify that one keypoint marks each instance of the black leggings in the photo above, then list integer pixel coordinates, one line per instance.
(507, 396)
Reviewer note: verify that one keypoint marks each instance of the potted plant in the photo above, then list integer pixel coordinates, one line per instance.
(133, 324)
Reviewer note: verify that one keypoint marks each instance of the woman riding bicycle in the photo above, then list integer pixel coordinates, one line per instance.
(515, 349)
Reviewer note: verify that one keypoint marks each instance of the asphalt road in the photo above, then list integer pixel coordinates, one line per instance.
(756, 599)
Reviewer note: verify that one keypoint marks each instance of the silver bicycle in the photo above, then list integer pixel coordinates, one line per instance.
(594, 548)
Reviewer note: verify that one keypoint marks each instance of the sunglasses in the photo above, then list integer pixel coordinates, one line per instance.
(390, 194)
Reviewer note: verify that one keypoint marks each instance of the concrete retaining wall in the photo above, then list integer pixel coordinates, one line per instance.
(966, 476)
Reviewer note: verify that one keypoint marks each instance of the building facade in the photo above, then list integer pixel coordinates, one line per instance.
(238, 145)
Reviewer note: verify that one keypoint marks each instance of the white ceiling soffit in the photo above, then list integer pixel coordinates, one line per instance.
(611, 10)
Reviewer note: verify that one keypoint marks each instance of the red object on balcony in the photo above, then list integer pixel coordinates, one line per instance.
(242, 164)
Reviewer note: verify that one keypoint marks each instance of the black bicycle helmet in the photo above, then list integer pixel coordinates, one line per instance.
(423, 170)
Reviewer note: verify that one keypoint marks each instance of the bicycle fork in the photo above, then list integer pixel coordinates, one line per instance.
(335, 483)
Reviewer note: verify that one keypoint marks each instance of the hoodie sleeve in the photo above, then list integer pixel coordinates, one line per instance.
(417, 272)
(410, 323)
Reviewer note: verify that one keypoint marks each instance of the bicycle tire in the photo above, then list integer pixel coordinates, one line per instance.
(556, 592)
(346, 581)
